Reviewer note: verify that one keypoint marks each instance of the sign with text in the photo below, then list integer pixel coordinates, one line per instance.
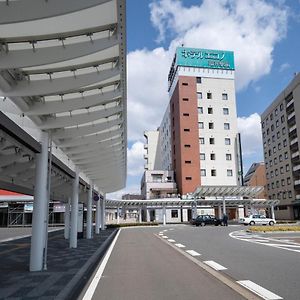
(204, 58)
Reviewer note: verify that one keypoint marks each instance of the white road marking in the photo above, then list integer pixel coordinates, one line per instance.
(215, 265)
(165, 230)
(160, 234)
(92, 287)
(266, 241)
(171, 240)
(180, 245)
(259, 290)
(164, 237)
(171, 229)
(193, 253)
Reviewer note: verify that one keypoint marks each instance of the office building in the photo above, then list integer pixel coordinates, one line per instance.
(281, 128)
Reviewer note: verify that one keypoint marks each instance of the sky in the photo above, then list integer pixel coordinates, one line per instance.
(265, 38)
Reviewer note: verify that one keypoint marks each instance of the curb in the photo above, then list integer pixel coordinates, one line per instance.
(73, 289)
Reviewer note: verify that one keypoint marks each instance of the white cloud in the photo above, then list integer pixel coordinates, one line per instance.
(284, 66)
(135, 159)
(250, 130)
(147, 90)
(249, 28)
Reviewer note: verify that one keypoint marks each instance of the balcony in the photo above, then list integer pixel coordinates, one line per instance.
(298, 197)
(295, 155)
(297, 182)
(289, 103)
(146, 146)
(145, 156)
(290, 116)
(296, 168)
(294, 144)
(146, 166)
(293, 128)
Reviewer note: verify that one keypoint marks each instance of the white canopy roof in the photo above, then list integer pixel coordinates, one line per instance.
(63, 63)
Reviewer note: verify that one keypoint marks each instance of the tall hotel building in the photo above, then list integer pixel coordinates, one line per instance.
(281, 129)
(198, 137)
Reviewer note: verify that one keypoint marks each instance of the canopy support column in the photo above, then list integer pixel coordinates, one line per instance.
(39, 207)
(103, 220)
(89, 213)
(164, 215)
(67, 219)
(74, 211)
(98, 214)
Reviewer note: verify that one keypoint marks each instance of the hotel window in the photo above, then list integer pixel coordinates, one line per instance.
(272, 127)
(213, 172)
(285, 155)
(268, 131)
(271, 162)
(185, 83)
(281, 107)
(200, 125)
(203, 172)
(282, 119)
(288, 180)
(283, 130)
(276, 172)
(263, 124)
(279, 146)
(225, 111)
(210, 110)
(198, 79)
(264, 134)
(201, 141)
(280, 157)
(287, 167)
(290, 194)
(212, 156)
(284, 195)
(211, 125)
(188, 161)
(277, 123)
(269, 141)
(284, 143)
(271, 116)
(274, 149)
(229, 172)
(276, 112)
(209, 95)
(278, 134)
(174, 213)
(282, 182)
(199, 95)
(275, 161)
(200, 110)
(212, 141)
(228, 157)
(202, 156)
(227, 141)
(185, 99)
(186, 129)
(188, 178)
(224, 96)
(226, 126)
(273, 138)
(186, 114)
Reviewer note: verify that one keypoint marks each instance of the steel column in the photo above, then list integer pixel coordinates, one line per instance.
(67, 219)
(89, 213)
(74, 211)
(39, 207)
(98, 213)
(103, 218)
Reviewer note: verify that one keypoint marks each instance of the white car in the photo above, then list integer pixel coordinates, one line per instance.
(257, 220)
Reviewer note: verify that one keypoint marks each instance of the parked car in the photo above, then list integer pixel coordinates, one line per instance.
(257, 220)
(207, 220)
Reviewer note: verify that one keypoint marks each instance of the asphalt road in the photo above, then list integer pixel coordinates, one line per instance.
(270, 261)
(142, 266)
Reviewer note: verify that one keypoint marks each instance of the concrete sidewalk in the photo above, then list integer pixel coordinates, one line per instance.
(68, 269)
(142, 266)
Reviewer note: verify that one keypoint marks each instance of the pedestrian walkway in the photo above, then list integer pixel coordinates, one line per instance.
(141, 266)
(67, 272)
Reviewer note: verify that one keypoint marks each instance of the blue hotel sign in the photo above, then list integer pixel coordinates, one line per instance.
(203, 58)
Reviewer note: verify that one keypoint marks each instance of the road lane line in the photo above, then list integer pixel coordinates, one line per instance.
(171, 240)
(193, 253)
(92, 287)
(160, 234)
(215, 265)
(180, 245)
(259, 290)
(164, 237)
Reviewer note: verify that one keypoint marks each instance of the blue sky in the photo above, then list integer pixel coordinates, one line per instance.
(265, 36)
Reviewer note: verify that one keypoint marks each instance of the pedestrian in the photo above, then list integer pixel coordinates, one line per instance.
(225, 220)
